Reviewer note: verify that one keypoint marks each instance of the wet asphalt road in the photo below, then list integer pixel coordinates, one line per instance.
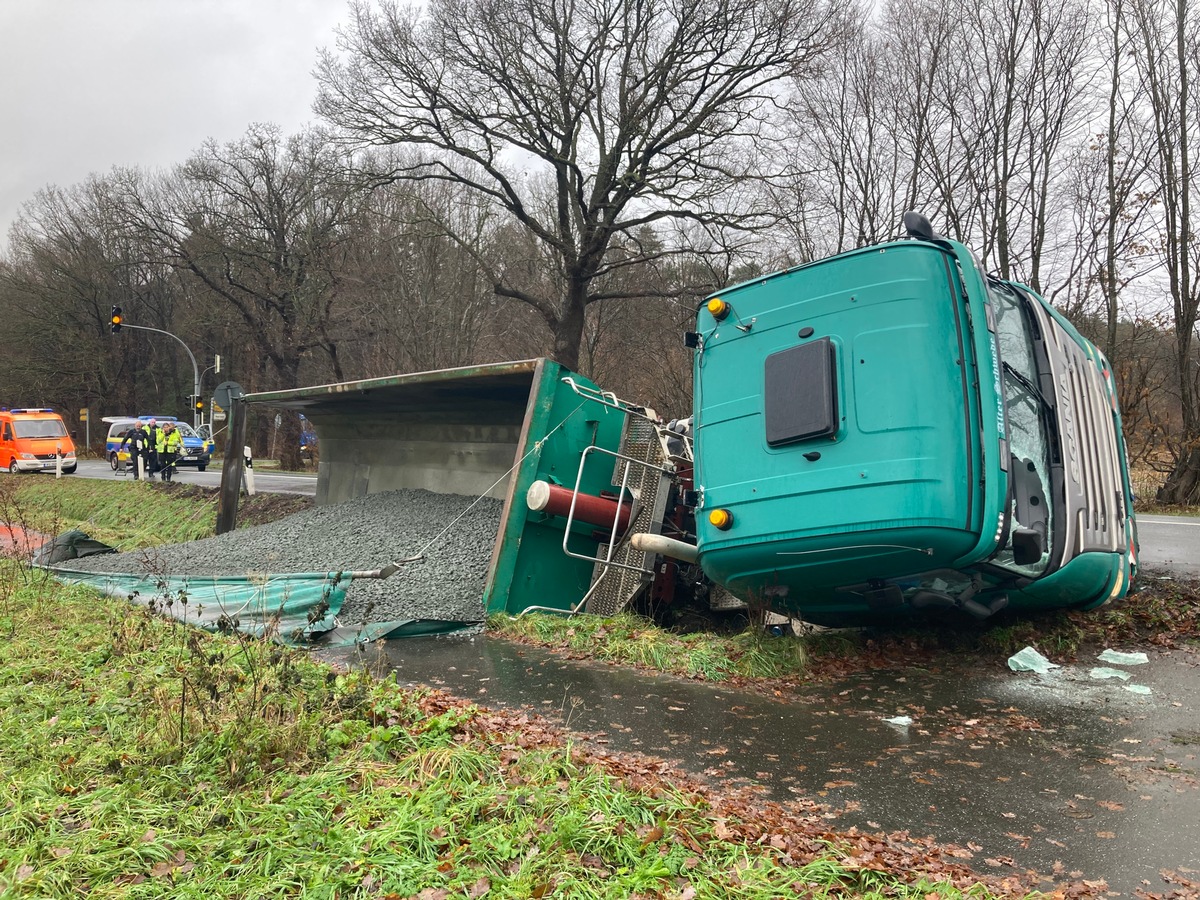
(265, 481)
(1171, 542)
(1065, 774)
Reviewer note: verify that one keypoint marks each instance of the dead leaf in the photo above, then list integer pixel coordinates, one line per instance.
(652, 836)
(159, 869)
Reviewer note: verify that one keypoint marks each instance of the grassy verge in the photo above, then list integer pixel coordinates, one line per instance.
(127, 514)
(140, 758)
(631, 640)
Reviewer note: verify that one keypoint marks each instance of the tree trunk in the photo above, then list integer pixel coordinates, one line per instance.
(568, 330)
(1183, 485)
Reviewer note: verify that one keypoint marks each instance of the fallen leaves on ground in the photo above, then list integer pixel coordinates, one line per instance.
(797, 832)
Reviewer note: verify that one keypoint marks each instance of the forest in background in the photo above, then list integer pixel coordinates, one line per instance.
(489, 181)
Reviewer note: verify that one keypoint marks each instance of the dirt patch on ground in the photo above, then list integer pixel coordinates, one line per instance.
(263, 508)
(257, 510)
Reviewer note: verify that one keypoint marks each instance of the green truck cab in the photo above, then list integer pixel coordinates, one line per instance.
(891, 431)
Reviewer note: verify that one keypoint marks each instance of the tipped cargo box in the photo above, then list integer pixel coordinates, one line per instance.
(490, 430)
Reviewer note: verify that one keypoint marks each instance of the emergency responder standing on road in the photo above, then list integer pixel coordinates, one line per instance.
(136, 440)
(152, 448)
(170, 443)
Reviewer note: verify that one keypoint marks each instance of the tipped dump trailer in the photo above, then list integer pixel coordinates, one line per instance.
(484, 431)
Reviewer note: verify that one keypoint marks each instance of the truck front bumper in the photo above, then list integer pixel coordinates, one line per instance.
(45, 465)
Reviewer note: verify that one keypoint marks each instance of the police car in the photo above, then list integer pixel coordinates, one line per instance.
(196, 450)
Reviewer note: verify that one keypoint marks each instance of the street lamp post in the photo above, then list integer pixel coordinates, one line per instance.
(191, 356)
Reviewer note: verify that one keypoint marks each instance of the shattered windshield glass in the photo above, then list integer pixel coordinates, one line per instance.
(1030, 436)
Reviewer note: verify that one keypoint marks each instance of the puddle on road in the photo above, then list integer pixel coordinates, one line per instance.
(1060, 773)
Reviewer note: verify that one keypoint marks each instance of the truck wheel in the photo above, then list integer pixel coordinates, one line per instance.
(113, 461)
(12, 467)
(201, 468)
(70, 471)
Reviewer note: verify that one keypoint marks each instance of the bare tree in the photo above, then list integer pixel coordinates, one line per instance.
(847, 134)
(259, 224)
(69, 264)
(630, 111)
(422, 300)
(1167, 36)
(1109, 197)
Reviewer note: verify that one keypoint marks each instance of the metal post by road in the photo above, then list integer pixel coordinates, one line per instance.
(231, 469)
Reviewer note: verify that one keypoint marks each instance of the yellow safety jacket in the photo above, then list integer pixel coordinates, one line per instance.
(169, 443)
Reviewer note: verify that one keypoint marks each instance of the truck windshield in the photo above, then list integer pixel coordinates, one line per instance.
(39, 428)
(1029, 434)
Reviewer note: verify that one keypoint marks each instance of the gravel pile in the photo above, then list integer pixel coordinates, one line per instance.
(365, 533)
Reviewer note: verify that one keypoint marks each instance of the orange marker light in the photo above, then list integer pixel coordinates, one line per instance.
(718, 308)
(721, 518)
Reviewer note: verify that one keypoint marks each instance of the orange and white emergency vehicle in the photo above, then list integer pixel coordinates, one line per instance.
(35, 440)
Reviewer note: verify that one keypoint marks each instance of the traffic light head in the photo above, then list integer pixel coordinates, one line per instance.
(117, 319)
(199, 403)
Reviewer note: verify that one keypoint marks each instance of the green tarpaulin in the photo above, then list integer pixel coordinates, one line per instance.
(295, 609)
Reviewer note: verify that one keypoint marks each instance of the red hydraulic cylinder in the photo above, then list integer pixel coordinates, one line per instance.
(599, 511)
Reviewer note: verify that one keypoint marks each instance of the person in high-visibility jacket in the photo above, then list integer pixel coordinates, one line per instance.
(170, 442)
(155, 433)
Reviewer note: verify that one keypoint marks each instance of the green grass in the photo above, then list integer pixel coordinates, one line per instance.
(127, 514)
(633, 640)
(140, 758)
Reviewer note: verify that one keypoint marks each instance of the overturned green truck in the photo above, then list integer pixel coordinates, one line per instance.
(884, 434)
(893, 431)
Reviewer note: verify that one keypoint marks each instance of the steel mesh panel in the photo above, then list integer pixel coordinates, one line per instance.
(720, 600)
(650, 485)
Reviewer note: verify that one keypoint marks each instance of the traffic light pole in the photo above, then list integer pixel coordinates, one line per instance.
(191, 356)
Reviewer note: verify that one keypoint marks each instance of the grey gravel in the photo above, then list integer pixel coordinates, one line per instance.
(365, 533)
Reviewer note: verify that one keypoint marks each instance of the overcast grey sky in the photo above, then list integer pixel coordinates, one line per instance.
(89, 84)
